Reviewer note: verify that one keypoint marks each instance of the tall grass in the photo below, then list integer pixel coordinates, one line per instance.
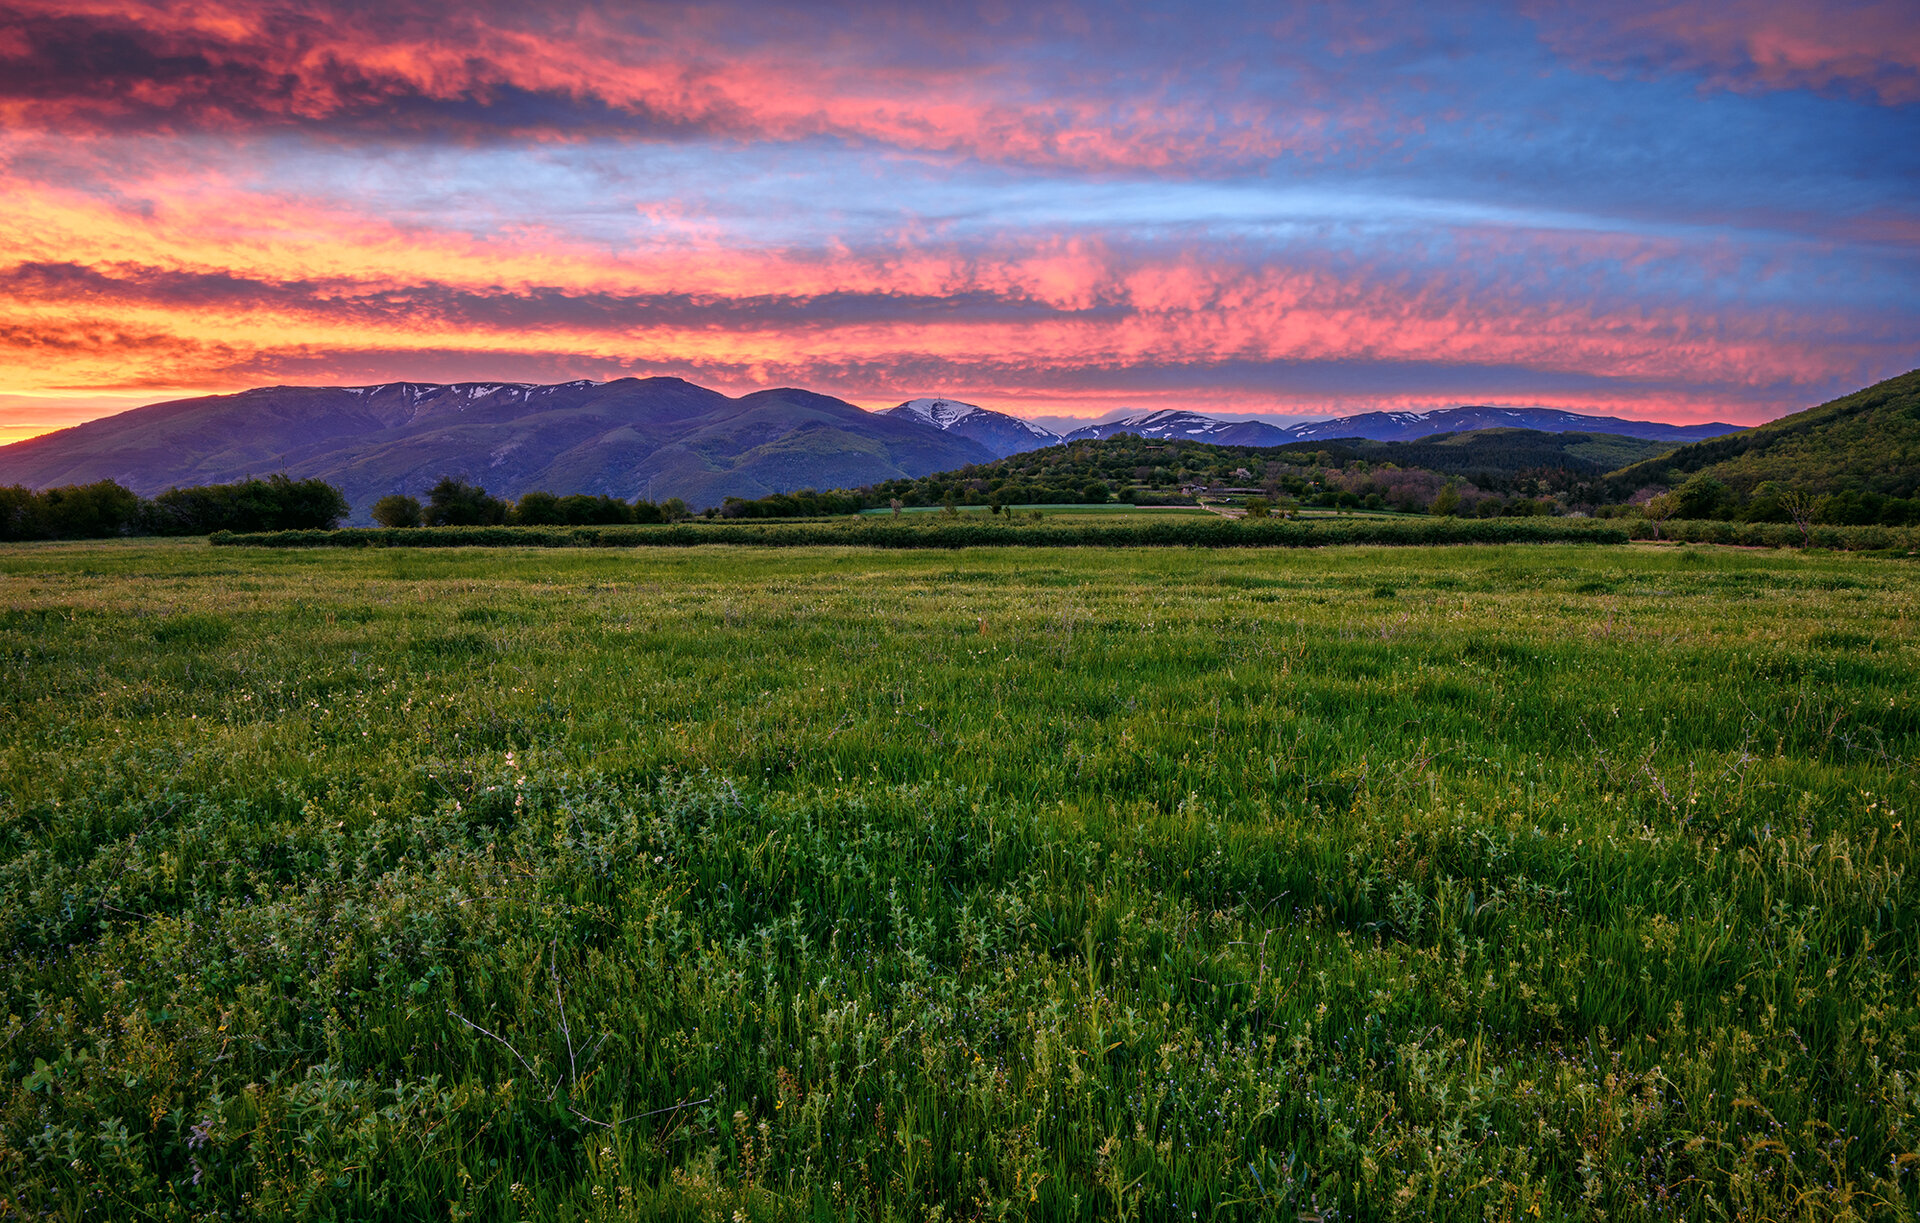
(1002, 883)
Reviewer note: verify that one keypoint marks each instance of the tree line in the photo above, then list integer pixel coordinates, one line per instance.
(455, 502)
(105, 508)
(1495, 473)
(1493, 477)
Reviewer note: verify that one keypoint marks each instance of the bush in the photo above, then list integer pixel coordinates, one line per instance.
(582, 510)
(455, 503)
(397, 510)
(73, 511)
(537, 509)
(277, 503)
(1777, 535)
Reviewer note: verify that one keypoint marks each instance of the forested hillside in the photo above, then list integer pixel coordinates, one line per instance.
(1487, 471)
(1853, 460)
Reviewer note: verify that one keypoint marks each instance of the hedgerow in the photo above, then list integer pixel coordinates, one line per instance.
(1777, 535)
(1189, 533)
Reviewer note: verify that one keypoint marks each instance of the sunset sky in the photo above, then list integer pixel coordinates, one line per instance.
(1688, 211)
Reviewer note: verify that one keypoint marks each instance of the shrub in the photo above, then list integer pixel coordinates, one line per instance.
(537, 509)
(455, 503)
(277, 503)
(584, 510)
(397, 510)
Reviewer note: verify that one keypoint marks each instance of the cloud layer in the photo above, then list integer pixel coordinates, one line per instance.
(1675, 210)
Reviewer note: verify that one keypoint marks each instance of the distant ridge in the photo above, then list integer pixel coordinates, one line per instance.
(1388, 426)
(1409, 426)
(1172, 423)
(638, 437)
(654, 437)
(999, 432)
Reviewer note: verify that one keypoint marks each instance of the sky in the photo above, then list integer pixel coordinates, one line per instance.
(1682, 210)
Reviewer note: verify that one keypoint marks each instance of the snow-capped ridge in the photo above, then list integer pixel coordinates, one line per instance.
(1000, 432)
(939, 412)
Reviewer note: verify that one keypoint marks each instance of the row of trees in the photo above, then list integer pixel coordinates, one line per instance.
(454, 502)
(105, 508)
(1704, 498)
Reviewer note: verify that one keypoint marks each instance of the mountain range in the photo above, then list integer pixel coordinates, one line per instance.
(654, 437)
(633, 437)
(1388, 426)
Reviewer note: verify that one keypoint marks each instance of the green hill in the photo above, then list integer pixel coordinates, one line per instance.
(1858, 455)
(1494, 471)
(1493, 458)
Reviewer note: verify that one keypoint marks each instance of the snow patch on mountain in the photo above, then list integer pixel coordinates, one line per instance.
(998, 431)
(1164, 423)
(940, 413)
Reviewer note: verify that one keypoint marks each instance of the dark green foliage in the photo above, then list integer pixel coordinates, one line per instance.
(74, 511)
(277, 503)
(454, 502)
(537, 509)
(397, 510)
(939, 532)
(807, 503)
(1857, 456)
(1838, 538)
(1514, 471)
(97, 511)
(581, 509)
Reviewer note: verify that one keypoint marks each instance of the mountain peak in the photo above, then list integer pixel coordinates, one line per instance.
(940, 412)
(997, 431)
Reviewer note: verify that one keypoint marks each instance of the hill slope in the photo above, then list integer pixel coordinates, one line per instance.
(1865, 443)
(654, 437)
(1501, 465)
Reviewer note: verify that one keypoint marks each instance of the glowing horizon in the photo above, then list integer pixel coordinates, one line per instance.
(1672, 211)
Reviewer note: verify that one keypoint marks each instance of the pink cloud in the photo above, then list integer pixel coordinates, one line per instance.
(224, 64)
(1866, 47)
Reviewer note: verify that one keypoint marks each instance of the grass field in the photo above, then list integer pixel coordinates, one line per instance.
(721, 883)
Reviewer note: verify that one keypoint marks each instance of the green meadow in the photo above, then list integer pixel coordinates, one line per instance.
(1491, 883)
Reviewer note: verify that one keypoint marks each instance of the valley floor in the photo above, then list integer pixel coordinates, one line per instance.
(1512, 883)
